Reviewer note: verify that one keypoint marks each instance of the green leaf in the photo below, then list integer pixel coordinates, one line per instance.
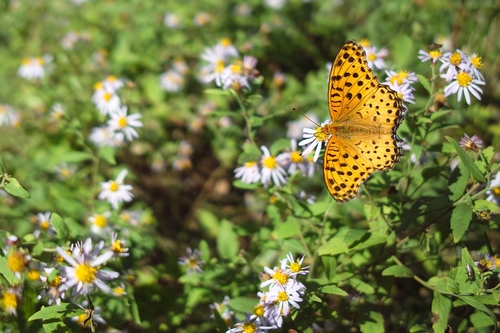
(238, 183)
(76, 156)
(330, 265)
(55, 311)
(107, 153)
(55, 326)
(220, 324)
(13, 187)
(410, 217)
(279, 145)
(478, 305)
(481, 204)
(458, 182)
(60, 226)
(37, 249)
(361, 286)
(467, 161)
(243, 304)
(481, 319)
(372, 322)
(330, 289)
(398, 271)
(5, 270)
(227, 241)
(424, 82)
(460, 220)
(441, 307)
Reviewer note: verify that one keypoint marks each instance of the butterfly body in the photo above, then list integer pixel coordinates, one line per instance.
(365, 116)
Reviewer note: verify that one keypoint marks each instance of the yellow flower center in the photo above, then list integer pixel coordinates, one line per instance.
(3, 109)
(476, 61)
(249, 327)
(39, 61)
(122, 122)
(56, 282)
(117, 247)
(9, 300)
(456, 59)
(295, 267)
(225, 42)
(365, 42)
(282, 296)
(100, 221)
(219, 66)
(250, 164)
(17, 262)
(111, 78)
(296, 157)
(435, 54)
(321, 133)
(372, 57)
(496, 191)
(118, 291)
(85, 273)
(65, 172)
(98, 85)
(34, 275)
(258, 310)
(464, 79)
(280, 277)
(107, 96)
(113, 187)
(192, 262)
(236, 69)
(269, 162)
(26, 61)
(44, 225)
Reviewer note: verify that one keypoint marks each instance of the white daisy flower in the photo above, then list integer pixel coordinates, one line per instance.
(202, 18)
(271, 170)
(104, 136)
(172, 20)
(180, 65)
(375, 58)
(44, 224)
(228, 49)
(115, 192)
(400, 77)
(249, 325)
(232, 77)
(451, 63)
(192, 261)
(286, 297)
(57, 111)
(106, 102)
(249, 172)
(112, 83)
(477, 64)
(216, 63)
(52, 288)
(65, 171)
(275, 4)
(464, 83)
(295, 266)
(293, 160)
(85, 274)
(172, 81)
(433, 55)
(494, 192)
(120, 122)
(99, 224)
(405, 91)
(314, 137)
(118, 246)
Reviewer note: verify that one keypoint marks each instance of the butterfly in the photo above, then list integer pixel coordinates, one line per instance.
(365, 117)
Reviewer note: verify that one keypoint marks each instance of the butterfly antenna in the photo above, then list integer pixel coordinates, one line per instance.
(303, 115)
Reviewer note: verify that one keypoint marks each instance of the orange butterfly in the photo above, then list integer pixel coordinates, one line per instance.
(365, 117)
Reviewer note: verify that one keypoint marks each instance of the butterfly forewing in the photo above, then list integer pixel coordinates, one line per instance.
(365, 116)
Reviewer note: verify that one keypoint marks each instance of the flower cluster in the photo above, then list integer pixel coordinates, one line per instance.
(120, 127)
(461, 71)
(401, 82)
(192, 261)
(488, 263)
(273, 169)
(281, 292)
(226, 68)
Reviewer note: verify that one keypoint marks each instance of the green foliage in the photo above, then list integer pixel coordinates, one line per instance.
(414, 251)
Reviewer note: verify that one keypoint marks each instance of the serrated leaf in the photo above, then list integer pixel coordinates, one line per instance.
(329, 289)
(398, 271)
(13, 187)
(59, 226)
(54, 311)
(482, 204)
(474, 303)
(467, 161)
(460, 220)
(458, 182)
(441, 307)
(315, 298)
